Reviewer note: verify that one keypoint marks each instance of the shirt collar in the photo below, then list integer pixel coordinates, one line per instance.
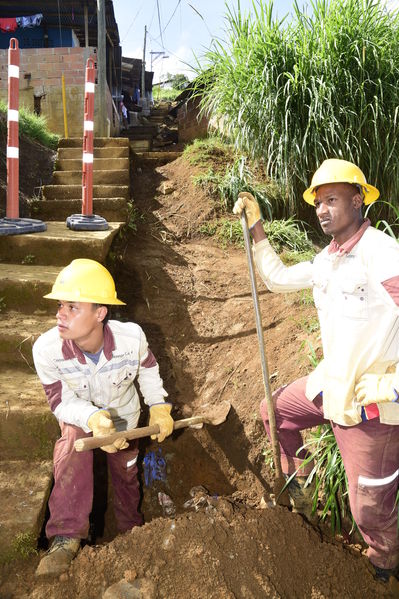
(70, 350)
(346, 247)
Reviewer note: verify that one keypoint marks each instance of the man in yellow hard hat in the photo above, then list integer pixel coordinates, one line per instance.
(355, 387)
(87, 365)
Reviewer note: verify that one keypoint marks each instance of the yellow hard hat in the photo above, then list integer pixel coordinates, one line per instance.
(85, 280)
(334, 170)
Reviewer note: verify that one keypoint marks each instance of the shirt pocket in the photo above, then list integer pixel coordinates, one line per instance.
(320, 292)
(120, 380)
(354, 298)
(80, 388)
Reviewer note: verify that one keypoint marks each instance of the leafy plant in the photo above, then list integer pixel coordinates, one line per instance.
(382, 223)
(329, 474)
(323, 85)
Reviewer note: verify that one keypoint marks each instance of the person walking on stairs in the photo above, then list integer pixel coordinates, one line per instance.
(88, 365)
(355, 388)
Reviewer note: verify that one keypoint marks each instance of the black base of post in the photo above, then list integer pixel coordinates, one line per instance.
(19, 226)
(81, 222)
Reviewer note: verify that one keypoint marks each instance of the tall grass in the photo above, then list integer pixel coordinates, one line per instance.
(323, 85)
(33, 126)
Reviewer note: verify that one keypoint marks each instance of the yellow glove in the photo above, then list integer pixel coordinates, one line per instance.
(247, 202)
(376, 388)
(160, 415)
(101, 424)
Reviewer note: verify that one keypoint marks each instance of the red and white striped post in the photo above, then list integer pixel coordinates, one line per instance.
(88, 221)
(12, 224)
(12, 127)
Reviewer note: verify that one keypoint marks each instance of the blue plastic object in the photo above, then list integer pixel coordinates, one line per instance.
(154, 467)
(81, 222)
(19, 226)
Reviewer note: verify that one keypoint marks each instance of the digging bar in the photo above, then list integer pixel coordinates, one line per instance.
(215, 415)
(280, 492)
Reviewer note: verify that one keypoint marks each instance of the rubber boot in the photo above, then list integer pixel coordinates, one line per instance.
(58, 557)
(301, 496)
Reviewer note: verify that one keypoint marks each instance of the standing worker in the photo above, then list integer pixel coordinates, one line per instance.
(355, 388)
(87, 365)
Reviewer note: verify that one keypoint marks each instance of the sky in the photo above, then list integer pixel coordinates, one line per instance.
(187, 27)
(180, 29)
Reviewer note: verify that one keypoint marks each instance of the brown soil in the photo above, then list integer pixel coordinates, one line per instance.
(193, 299)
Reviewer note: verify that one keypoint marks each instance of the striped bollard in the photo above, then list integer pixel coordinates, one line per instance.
(12, 224)
(87, 221)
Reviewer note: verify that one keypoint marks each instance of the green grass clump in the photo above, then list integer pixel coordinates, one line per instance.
(323, 85)
(208, 152)
(33, 126)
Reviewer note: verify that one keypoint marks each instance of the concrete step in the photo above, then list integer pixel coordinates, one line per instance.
(28, 429)
(71, 192)
(22, 287)
(24, 491)
(18, 332)
(58, 245)
(99, 164)
(141, 145)
(113, 152)
(156, 158)
(100, 177)
(98, 142)
(112, 209)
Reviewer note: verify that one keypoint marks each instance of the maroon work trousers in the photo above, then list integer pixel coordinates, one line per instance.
(370, 453)
(71, 499)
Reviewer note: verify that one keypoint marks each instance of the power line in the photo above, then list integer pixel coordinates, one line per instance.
(159, 22)
(173, 14)
(133, 22)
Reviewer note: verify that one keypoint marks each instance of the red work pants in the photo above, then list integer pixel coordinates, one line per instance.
(71, 499)
(370, 453)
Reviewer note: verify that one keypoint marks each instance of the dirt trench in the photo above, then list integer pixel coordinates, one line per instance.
(192, 298)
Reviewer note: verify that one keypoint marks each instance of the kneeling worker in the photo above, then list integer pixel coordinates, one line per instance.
(87, 365)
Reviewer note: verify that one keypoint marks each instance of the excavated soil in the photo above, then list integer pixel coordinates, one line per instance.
(192, 297)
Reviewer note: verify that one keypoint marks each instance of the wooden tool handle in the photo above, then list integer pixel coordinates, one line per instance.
(135, 433)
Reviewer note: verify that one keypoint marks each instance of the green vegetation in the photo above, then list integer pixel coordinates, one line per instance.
(32, 126)
(324, 85)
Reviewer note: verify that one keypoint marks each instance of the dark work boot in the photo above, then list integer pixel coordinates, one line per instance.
(384, 574)
(58, 557)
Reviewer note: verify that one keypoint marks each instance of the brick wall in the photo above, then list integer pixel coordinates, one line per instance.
(190, 126)
(40, 75)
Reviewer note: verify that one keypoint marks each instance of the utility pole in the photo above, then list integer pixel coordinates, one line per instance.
(101, 69)
(143, 66)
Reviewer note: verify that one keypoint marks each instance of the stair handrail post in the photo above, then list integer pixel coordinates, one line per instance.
(12, 224)
(88, 143)
(87, 221)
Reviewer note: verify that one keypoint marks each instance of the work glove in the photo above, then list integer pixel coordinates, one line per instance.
(247, 201)
(160, 415)
(376, 388)
(101, 424)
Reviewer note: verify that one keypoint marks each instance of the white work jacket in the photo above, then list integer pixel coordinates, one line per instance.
(359, 321)
(76, 387)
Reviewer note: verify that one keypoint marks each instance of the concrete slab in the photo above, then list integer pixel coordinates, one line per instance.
(99, 164)
(58, 245)
(24, 491)
(73, 191)
(99, 142)
(115, 152)
(22, 287)
(112, 209)
(18, 332)
(28, 429)
(100, 177)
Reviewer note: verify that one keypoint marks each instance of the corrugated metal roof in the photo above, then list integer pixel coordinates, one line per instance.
(68, 13)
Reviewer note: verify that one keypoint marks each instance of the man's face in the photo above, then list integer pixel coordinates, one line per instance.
(338, 210)
(78, 321)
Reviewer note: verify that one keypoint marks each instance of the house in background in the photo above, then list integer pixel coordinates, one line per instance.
(55, 38)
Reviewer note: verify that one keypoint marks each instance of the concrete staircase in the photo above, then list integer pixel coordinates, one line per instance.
(28, 267)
